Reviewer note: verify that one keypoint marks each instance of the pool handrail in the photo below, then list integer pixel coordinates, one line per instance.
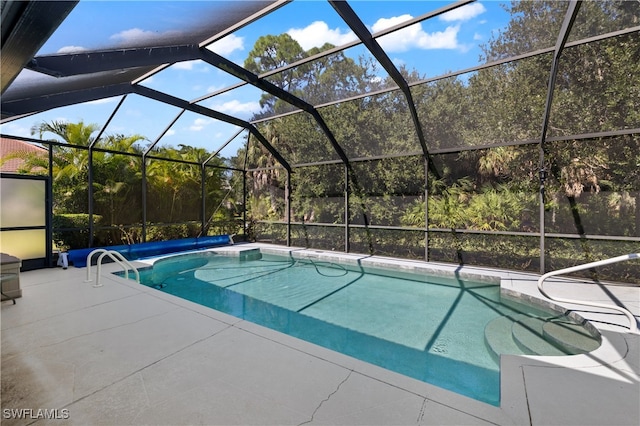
(88, 263)
(102, 250)
(633, 324)
(116, 257)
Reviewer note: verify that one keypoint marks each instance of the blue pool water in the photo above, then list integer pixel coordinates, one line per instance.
(428, 328)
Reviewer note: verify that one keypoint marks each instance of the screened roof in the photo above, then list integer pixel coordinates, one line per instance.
(150, 39)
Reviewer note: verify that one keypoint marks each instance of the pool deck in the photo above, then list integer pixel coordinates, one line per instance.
(126, 354)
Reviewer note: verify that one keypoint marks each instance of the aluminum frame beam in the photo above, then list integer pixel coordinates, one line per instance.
(26, 25)
(251, 78)
(357, 26)
(109, 60)
(55, 100)
(569, 19)
(199, 109)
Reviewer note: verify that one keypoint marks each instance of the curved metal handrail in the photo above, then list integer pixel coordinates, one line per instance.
(633, 325)
(116, 257)
(88, 263)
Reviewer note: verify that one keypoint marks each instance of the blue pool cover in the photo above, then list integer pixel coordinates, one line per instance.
(78, 257)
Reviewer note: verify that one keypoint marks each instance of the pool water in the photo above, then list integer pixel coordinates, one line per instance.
(428, 328)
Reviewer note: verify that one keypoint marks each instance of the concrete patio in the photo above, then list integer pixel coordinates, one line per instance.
(126, 354)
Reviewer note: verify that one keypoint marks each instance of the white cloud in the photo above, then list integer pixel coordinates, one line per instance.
(447, 39)
(478, 37)
(71, 49)
(464, 13)
(237, 107)
(384, 23)
(200, 123)
(227, 45)
(318, 33)
(170, 132)
(414, 37)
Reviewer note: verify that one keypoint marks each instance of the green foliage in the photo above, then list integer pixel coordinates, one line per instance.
(172, 232)
(71, 231)
(174, 189)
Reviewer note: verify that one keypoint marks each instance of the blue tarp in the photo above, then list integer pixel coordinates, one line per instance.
(78, 257)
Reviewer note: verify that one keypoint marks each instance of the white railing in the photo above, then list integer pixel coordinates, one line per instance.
(116, 257)
(633, 325)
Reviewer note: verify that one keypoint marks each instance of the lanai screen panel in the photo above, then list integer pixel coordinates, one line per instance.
(485, 190)
(224, 207)
(594, 187)
(174, 195)
(601, 17)
(298, 138)
(70, 196)
(70, 192)
(598, 87)
(371, 126)
(478, 200)
(387, 191)
(265, 195)
(533, 25)
(93, 114)
(196, 135)
(318, 194)
(567, 252)
(141, 23)
(123, 25)
(186, 79)
(138, 116)
(231, 147)
(445, 39)
(116, 183)
(503, 104)
(340, 75)
(246, 102)
(278, 24)
(266, 183)
(34, 92)
(318, 207)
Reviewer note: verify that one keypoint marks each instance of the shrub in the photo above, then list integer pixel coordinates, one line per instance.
(71, 231)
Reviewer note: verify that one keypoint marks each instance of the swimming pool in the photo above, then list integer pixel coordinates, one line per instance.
(431, 328)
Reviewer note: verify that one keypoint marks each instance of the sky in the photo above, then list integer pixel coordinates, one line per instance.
(445, 43)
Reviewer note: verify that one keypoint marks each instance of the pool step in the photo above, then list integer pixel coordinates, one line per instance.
(499, 339)
(524, 335)
(528, 333)
(570, 337)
